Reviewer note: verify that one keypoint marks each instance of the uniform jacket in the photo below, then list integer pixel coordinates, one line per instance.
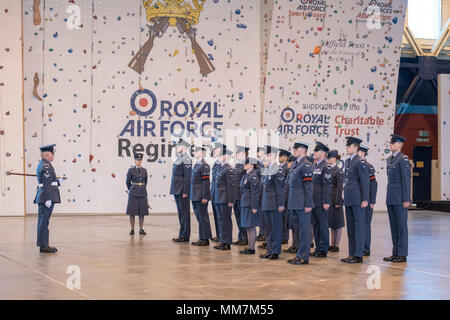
(300, 185)
(337, 177)
(134, 175)
(46, 177)
(223, 186)
(273, 191)
(321, 183)
(356, 182)
(200, 181)
(373, 183)
(181, 175)
(238, 173)
(399, 179)
(250, 189)
(216, 165)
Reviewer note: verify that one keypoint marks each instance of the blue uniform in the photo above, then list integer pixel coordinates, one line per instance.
(47, 190)
(300, 196)
(356, 190)
(181, 184)
(273, 197)
(213, 180)
(372, 200)
(336, 218)
(398, 191)
(223, 194)
(321, 195)
(200, 190)
(284, 214)
(136, 182)
(250, 195)
(238, 173)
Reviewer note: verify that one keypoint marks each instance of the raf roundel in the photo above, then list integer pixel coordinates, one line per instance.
(143, 102)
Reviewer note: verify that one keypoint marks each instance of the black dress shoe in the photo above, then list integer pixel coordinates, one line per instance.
(47, 249)
(284, 241)
(132, 232)
(225, 247)
(346, 259)
(247, 251)
(273, 257)
(321, 254)
(263, 246)
(366, 254)
(391, 258)
(215, 239)
(330, 247)
(297, 261)
(290, 250)
(355, 260)
(196, 243)
(243, 243)
(334, 249)
(180, 240)
(260, 238)
(142, 232)
(218, 247)
(399, 259)
(203, 243)
(265, 256)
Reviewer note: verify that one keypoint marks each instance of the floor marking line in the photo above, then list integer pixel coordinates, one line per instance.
(47, 277)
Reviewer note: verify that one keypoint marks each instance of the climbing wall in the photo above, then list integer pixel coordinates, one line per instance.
(99, 112)
(11, 129)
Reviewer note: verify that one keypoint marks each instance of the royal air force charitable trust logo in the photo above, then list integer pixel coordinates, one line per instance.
(159, 120)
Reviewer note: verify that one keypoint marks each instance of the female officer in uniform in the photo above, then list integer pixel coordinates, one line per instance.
(250, 216)
(336, 219)
(137, 194)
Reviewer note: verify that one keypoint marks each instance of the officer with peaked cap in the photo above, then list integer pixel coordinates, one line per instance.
(180, 187)
(224, 197)
(200, 195)
(273, 202)
(300, 202)
(250, 206)
(362, 153)
(336, 219)
(398, 198)
(293, 248)
(136, 182)
(46, 197)
(261, 234)
(217, 154)
(322, 200)
(283, 157)
(238, 173)
(356, 199)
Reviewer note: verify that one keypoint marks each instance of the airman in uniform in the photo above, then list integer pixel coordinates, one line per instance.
(356, 199)
(362, 153)
(238, 173)
(216, 153)
(283, 157)
(136, 182)
(291, 226)
(336, 220)
(180, 187)
(200, 195)
(398, 198)
(46, 197)
(224, 197)
(322, 200)
(250, 206)
(273, 202)
(261, 234)
(300, 201)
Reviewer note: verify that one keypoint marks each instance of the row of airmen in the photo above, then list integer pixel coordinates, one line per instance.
(298, 192)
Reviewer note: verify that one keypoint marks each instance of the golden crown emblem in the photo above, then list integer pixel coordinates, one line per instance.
(173, 9)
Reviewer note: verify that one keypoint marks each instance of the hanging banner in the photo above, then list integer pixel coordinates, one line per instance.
(125, 77)
(332, 72)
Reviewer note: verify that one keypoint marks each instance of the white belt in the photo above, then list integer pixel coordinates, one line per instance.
(54, 183)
